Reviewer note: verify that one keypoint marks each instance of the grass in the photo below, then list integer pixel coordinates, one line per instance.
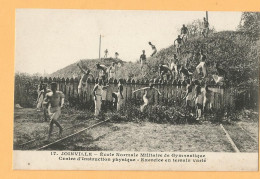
(133, 135)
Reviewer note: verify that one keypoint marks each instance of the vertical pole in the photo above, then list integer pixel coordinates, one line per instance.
(207, 17)
(99, 45)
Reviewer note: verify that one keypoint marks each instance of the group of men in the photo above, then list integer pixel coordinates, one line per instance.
(179, 71)
(181, 39)
(52, 100)
(142, 58)
(106, 54)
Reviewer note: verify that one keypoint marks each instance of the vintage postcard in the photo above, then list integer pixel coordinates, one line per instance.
(136, 90)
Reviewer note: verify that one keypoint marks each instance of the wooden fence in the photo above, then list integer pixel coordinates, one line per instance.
(221, 98)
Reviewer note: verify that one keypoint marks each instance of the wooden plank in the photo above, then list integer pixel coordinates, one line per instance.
(229, 139)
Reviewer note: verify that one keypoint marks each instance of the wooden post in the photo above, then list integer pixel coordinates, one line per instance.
(99, 46)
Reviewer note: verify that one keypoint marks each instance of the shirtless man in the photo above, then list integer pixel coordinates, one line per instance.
(188, 96)
(83, 80)
(220, 76)
(164, 69)
(116, 55)
(205, 30)
(198, 101)
(54, 100)
(202, 66)
(103, 71)
(41, 98)
(184, 33)
(174, 66)
(206, 97)
(153, 49)
(106, 53)
(112, 71)
(185, 72)
(97, 93)
(148, 92)
(143, 59)
(179, 44)
(118, 96)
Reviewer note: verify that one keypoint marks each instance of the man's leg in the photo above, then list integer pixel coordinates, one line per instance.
(119, 102)
(50, 129)
(45, 113)
(96, 108)
(59, 126)
(98, 105)
(145, 104)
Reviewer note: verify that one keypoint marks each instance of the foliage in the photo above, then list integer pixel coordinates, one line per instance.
(25, 92)
(73, 71)
(195, 28)
(250, 24)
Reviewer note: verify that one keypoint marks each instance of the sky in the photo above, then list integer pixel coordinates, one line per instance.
(47, 40)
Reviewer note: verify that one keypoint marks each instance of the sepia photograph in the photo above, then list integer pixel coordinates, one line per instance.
(136, 86)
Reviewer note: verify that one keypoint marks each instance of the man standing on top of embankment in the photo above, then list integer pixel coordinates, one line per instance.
(184, 33)
(205, 30)
(143, 59)
(106, 53)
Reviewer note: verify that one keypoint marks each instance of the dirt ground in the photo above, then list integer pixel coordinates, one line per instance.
(133, 136)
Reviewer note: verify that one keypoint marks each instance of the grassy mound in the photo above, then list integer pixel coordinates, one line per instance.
(235, 52)
(74, 71)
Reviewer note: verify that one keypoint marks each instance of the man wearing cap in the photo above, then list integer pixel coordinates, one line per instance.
(54, 100)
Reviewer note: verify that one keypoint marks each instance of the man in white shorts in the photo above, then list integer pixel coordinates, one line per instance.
(112, 71)
(202, 66)
(83, 80)
(97, 92)
(54, 100)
